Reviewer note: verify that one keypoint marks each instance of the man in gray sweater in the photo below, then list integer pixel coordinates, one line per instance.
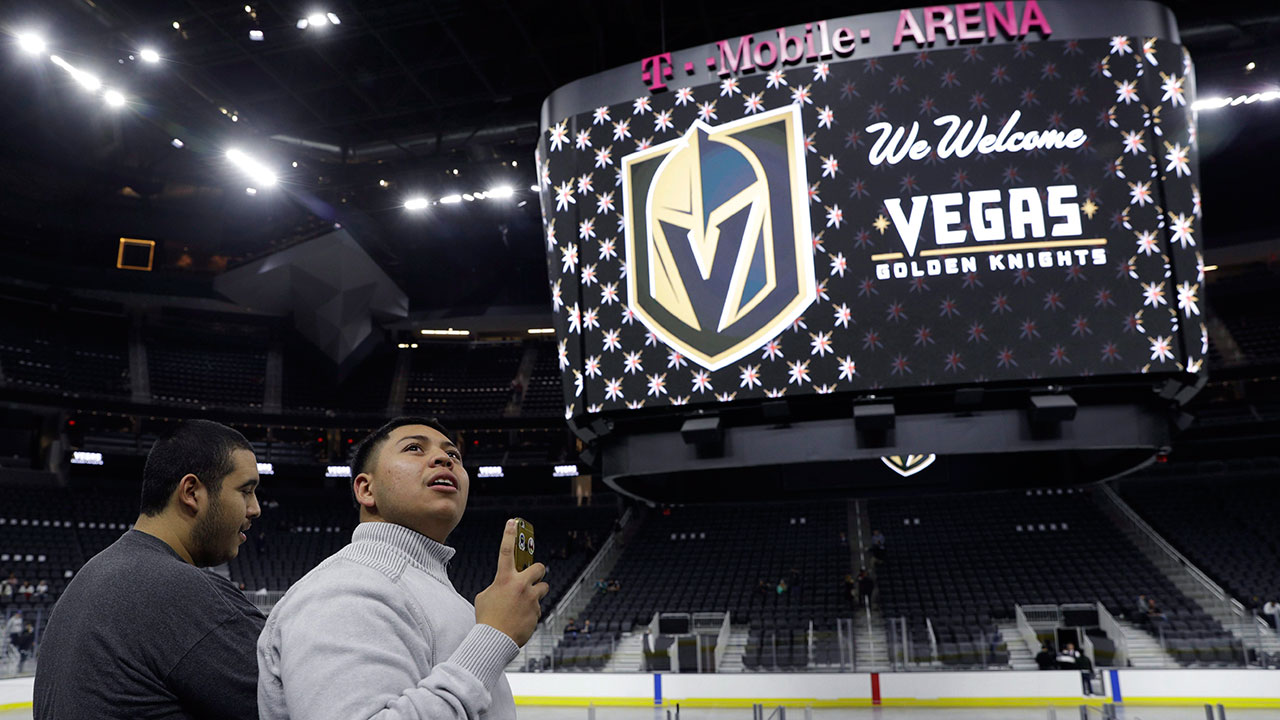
(377, 630)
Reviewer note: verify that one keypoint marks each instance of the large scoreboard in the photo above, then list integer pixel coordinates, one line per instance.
(955, 194)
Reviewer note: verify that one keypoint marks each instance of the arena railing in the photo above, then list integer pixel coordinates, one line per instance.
(1025, 629)
(933, 642)
(1113, 630)
(1226, 609)
(552, 626)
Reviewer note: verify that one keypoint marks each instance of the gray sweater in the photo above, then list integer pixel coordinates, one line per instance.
(378, 631)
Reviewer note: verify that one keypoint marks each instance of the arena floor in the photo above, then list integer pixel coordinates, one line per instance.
(1063, 713)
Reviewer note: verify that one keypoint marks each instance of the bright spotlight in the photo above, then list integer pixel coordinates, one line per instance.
(177, 143)
(33, 44)
(177, 25)
(450, 199)
(417, 203)
(250, 191)
(255, 35)
(87, 80)
(149, 55)
(468, 197)
(302, 24)
(114, 98)
(502, 191)
(317, 19)
(533, 188)
(255, 170)
(333, 18)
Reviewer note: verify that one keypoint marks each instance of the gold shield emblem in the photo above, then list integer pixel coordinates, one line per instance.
(718, 244)
(908, 465)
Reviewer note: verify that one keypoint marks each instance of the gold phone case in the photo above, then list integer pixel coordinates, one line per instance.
(524, 543)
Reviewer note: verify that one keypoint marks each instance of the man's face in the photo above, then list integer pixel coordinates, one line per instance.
(221, 527)
(417, 480)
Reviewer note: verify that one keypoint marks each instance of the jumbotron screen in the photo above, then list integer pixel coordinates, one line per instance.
(979, 198)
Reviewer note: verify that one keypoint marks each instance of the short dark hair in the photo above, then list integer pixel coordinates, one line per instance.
(363, 455)
(197, 447)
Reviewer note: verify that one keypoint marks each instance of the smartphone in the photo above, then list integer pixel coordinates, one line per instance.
(524, 544)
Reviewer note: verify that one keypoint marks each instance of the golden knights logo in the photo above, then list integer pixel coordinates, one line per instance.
(718, 247)
(908, 465)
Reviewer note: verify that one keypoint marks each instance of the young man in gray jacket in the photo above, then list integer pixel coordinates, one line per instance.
(377, 630)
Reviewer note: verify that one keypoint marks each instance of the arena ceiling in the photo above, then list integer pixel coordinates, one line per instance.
(400, 99)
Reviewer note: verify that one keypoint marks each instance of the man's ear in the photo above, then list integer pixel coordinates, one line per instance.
(191, 493)
(362, 487)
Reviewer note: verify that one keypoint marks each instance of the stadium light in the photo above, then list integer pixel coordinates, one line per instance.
(542, 331)
(565, 471)
(491, 471)
(256, 35)
(88, 81)
(177, 143)
(31, 43)
(1213, 103)
(450, 199)
(446, 333)
(416, 203)
(80, 457)
(251, 191)
(114, 98)
(533, 188)
(266, 469)
(468, 197)
(338, 471)
(318, 20)
(502, 191)
(149, 55)
(255, 170)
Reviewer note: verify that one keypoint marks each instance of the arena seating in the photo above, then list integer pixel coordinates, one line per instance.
(462, 380)
(1231, 533)
(310, 383)
(545, 395)
(718, 558)
(79, 353)
(964, 561)
(197, 369)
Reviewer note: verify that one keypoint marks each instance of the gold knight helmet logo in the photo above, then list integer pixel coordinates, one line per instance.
(718, 246)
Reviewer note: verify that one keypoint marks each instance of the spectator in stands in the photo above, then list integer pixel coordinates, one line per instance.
(1271, 613)
(13, 628)
(781, 587)
(164, 637)
(1154, 614)
(602, 587)
(378, 628)
(27, 590)
(42, 590)
(586, 628)
(1141, 615)
(1085, 666)
(6, 593)
(850, 589)
(762, 588)
(614, 586)
(866, 586)
(877, 546)
(25, 644)
(571, 628)
(1046, 659)
(1068, 657)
